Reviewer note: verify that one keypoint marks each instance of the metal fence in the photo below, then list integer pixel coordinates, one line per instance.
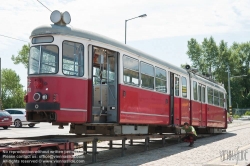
(240, 111)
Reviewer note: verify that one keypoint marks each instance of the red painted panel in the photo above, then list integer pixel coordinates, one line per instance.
(177, 111)
(216, 116)
(90, 87)
(76, 116)
(72, 94)
(140, 106)
(204, 115)
(185, 112)
(195, 113)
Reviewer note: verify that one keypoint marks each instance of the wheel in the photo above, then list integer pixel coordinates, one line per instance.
(5, 127)
(31, 125)
(17, 123)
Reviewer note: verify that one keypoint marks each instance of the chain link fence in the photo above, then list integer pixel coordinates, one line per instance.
(240, 111)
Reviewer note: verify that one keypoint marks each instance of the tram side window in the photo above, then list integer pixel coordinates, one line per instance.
(160, 80)
(203, 94)
(147, 75)
(216, 98)
(43, 59)
(195, 90)
(221, 99)
(73, 59)
(184, 87)
(130, 70)
(210, 93)
(199, 92)
(176, 86)
(103, 66)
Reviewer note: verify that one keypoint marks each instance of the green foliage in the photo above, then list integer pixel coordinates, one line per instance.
(247, 113)
(23, 56)
(213, 60)
(12, 90)
(236, 116)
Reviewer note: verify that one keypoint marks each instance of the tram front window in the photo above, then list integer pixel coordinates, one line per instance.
(43, 59)
(73, 59)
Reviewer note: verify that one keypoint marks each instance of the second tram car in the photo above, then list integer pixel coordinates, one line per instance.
(102, 86)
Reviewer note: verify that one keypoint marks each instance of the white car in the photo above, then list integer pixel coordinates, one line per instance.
(19, 117)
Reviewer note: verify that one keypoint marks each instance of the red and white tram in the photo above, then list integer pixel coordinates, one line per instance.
(102, 86)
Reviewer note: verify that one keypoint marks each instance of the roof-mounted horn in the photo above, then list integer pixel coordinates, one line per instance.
(189, 69)
(59, 18)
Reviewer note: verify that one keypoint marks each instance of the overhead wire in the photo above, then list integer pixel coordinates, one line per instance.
(44, 5)
(20, 39)
(13, 38)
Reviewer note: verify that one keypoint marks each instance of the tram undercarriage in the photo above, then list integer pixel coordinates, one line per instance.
(118, 129)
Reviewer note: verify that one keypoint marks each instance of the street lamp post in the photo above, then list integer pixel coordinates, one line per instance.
(144, 15)
(229, 89)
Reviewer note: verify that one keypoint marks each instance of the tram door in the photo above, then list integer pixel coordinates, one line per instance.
(202, 94)
(104, 77)
(174, 99)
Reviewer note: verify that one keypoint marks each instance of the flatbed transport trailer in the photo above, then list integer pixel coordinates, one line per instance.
(35, 152)
(59, 150)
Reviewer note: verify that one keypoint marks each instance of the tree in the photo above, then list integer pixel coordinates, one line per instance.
(203, 55)
(195, 54)
(23, 56)
(215, 59)
(241, 60)
(12, 90)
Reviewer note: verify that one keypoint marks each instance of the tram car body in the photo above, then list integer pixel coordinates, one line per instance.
(102, 86)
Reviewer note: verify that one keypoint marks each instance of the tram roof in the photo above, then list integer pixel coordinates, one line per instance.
(65, 30)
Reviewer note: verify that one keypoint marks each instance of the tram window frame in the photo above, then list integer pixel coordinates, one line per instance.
(42, 39)
(221, 99)
(184, 87)
(199, 92)
(132, 71)
(160, 81)
(203, 94)
(108, 75)
(176, 85)
(195, 95)
(80, 72)
(210, 94)
(145, 75)
(216, 97)
(40, 60)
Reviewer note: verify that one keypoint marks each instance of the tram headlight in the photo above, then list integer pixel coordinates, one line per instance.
(45, 97)
(60, 18)
(66, 17)
(55, 16)
(37, 96)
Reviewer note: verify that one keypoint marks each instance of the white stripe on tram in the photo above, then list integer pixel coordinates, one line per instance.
(136, 113)
(215, 121)
(73, 109)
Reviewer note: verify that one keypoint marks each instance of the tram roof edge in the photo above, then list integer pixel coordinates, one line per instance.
(66, 30)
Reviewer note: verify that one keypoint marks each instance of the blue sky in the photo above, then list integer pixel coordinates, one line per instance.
(163, 33)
